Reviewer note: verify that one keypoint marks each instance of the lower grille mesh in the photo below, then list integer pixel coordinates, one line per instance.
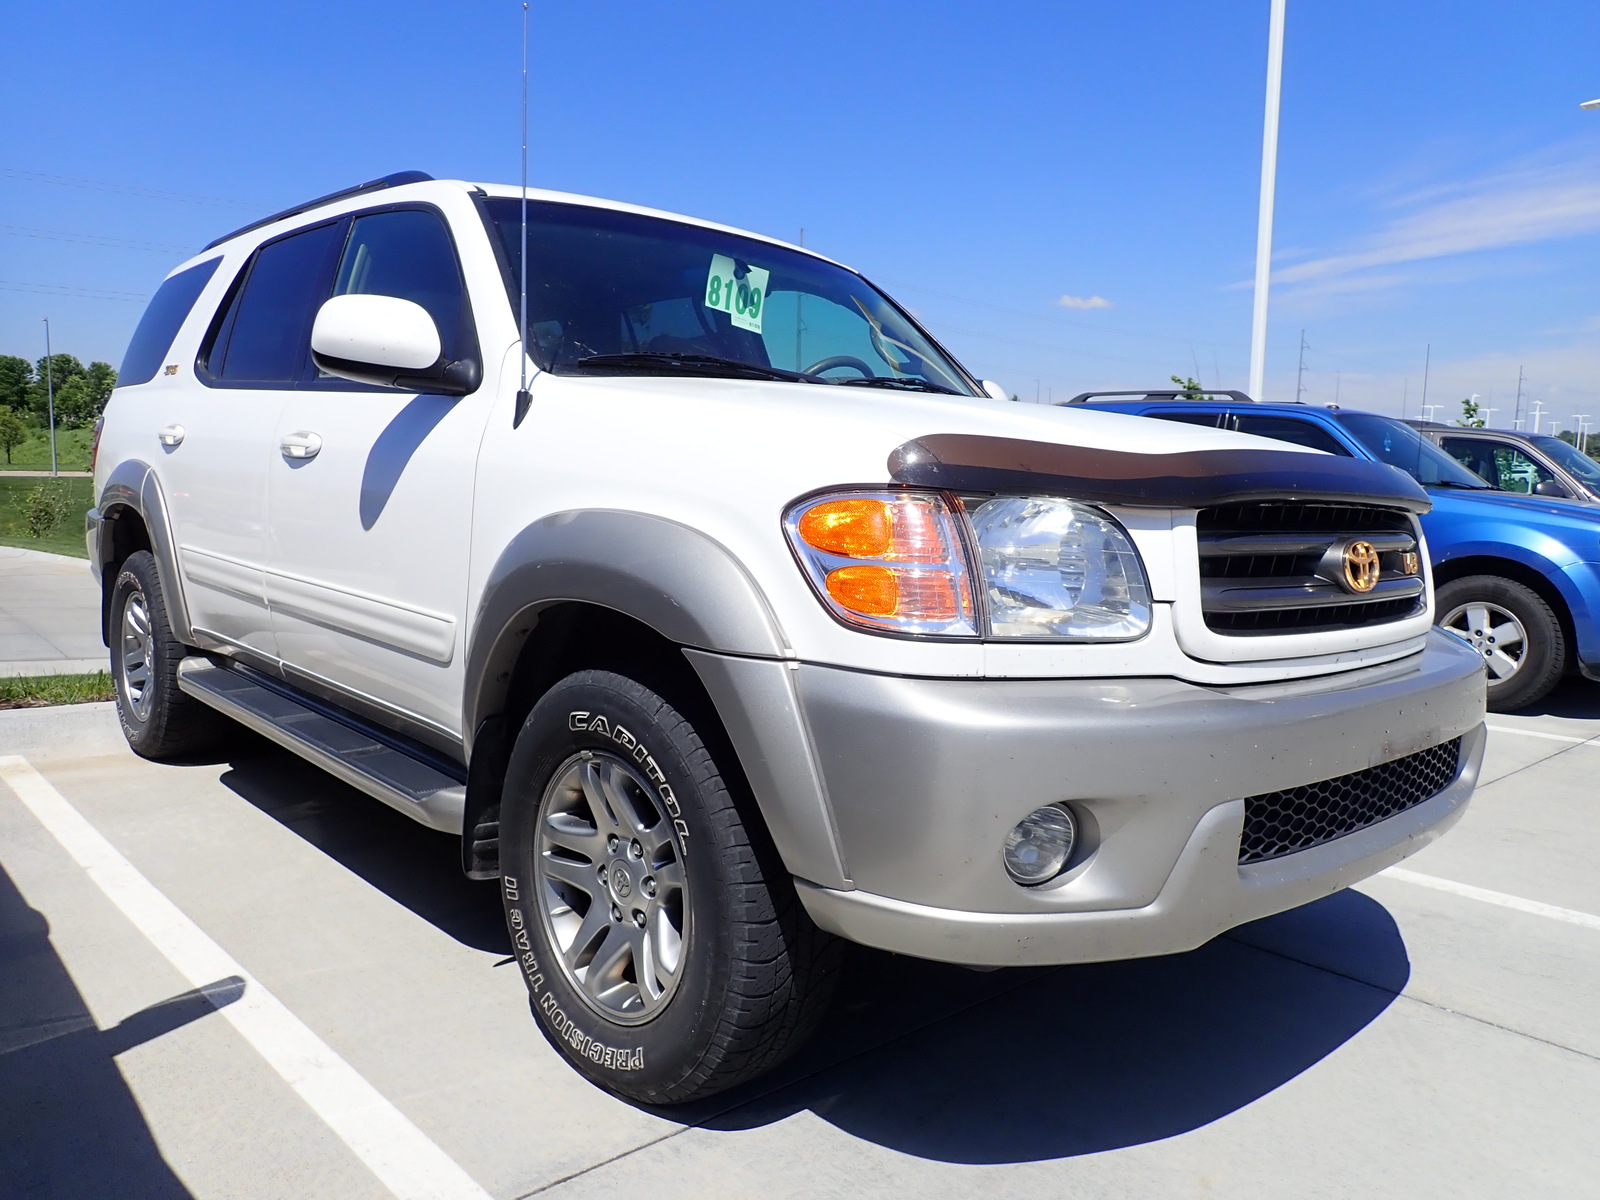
(1280, 823)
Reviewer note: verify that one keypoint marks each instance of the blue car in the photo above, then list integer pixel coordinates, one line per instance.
(1517, 576)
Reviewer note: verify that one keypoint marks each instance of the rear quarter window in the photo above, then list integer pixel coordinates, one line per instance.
(161, 322)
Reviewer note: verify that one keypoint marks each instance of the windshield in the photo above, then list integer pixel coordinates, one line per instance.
(1570, 459)
(617, 293)
(1399, 445)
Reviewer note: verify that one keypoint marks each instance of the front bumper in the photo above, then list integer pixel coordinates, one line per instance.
(923, 778)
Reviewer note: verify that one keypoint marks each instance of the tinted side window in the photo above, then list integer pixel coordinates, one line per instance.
(1475, 454)
(1289, 429)
(408, 253)
(265, 337)
(1208, 419)
(161, 322)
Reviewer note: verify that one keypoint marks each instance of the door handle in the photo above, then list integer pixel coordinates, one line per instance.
(300, 444)
(170, 435)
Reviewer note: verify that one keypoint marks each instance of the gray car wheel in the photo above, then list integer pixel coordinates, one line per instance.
(1518, 636)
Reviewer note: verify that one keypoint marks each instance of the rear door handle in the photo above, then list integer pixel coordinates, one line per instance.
(170, 435)
(300, 444)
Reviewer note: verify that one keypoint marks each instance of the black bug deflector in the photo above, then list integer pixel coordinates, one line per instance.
(1193, 479)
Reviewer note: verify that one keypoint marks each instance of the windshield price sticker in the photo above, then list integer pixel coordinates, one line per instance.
(740, 298)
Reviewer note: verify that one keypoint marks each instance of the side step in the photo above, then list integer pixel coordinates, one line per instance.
(418, 789)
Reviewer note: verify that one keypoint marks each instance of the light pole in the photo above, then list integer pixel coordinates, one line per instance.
(1590, 104)
(1581, 421)
(1269, 182)
(1487, 413)
(1428, 410)
(1538, 411)
(50, 393)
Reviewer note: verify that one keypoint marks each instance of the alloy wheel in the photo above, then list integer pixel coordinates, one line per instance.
(612, 893)
(134, 680)
(1494, 632)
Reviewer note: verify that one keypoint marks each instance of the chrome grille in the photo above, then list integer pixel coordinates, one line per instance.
(1280, 823)
(1276, 567)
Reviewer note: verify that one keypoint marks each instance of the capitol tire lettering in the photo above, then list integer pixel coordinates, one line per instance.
(660, 976)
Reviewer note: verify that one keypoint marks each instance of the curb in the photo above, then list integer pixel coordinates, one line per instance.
(62, 731)
(52, 666)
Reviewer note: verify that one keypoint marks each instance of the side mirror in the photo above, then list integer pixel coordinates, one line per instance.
(1553, 490)
(389, 342)
(994, 390)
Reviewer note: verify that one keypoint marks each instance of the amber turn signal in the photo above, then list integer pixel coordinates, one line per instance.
(857, 527)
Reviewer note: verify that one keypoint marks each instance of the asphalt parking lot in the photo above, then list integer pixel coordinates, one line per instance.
(239, 978)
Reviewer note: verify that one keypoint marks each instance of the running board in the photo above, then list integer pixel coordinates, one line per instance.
(418, 789)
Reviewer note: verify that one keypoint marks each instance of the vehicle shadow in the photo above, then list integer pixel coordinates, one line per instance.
(1021, 1066)
(412, 864)
(1574, 697)
(69, 1125)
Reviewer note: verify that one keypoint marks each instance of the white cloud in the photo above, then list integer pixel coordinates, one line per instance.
(1084, 302)
(1540, 200)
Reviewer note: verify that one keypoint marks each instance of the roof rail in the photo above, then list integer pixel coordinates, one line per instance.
(1165, 394)
(388, 181)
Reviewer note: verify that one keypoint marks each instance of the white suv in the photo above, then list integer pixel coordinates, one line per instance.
(754, 621)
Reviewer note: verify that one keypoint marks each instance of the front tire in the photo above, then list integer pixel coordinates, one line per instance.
(1517, 634)
(665, 951)
(158, 719)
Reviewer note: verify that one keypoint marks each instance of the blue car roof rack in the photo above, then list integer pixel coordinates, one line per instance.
(1165, 394)
(388, 181)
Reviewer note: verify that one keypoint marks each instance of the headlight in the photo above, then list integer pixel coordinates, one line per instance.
(897, 561)
(1055, 569)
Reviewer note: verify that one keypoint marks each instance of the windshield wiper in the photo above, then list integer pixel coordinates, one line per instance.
(900, 381)
(1466, 487)
(705, 364)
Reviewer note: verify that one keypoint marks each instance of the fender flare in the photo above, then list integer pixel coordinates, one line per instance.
(683, 584)
(133, 484)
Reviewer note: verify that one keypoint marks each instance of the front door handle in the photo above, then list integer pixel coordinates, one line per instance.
(170, 435)
(300, 444)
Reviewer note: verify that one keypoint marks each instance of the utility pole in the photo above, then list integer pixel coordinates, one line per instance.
(1300, 373)
(50, 393)
(1269, 180)
(1427, 361)
(1517, 412)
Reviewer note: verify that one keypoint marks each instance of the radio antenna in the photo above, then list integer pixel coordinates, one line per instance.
(524, 400)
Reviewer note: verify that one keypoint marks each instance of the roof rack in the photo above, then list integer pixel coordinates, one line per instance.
(1165, 394)
(388, 181)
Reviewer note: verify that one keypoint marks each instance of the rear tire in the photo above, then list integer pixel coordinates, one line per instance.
(158, 719)
(666, 954)
(1517, 634)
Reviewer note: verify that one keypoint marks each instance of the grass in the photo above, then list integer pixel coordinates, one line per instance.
(41, 691)
(72, 451)
(67, 537)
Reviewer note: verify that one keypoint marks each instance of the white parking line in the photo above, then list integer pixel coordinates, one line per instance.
(1549, 737)
(1537, 907)
(404, 1158)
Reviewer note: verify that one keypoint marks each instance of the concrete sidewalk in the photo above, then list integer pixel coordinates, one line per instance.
(49, 615)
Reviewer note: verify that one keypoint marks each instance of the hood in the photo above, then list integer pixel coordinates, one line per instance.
(874, 435)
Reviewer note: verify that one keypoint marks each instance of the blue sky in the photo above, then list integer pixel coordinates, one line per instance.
(1065, 192)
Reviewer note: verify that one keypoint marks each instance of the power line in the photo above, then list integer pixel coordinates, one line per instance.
(94, 239)
(129, 189)
(51, 289)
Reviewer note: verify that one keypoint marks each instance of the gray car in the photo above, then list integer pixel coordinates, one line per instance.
(1530, 463)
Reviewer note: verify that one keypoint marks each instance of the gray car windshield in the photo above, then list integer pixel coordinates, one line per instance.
(1570, 459)
(619, 293)
(1399, 445)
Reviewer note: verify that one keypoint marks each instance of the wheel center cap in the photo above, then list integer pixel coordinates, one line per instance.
(621, 881)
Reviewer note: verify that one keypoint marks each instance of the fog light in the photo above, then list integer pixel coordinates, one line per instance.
(1039, 846)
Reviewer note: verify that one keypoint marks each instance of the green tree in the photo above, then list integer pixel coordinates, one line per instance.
(101, 377)
(1191, 388)
(16, 377)
(75, 403)
(12, 431)
(63, 369)
(1470, 418)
